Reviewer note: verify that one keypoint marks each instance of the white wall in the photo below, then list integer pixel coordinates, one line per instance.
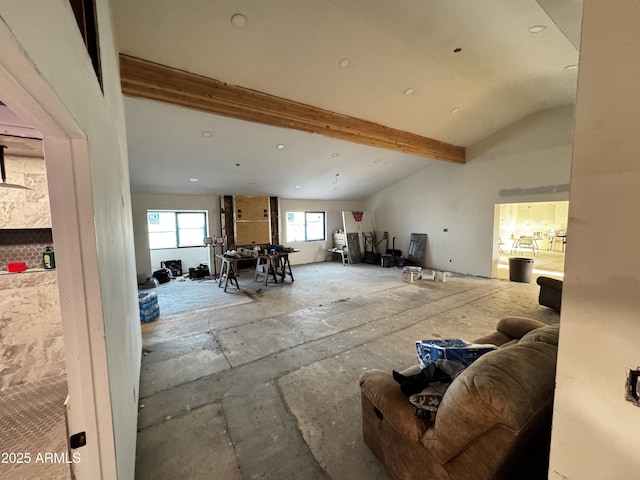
(89, 191)
(191, 257)
(595, 431)
(311, 252)
(532, 153)
(142, 202)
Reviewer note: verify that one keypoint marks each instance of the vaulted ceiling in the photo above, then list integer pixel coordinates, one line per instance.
(454, 71)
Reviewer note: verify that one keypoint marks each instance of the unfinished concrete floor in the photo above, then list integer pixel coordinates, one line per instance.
(262, 383)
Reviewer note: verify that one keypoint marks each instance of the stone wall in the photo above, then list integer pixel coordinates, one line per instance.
(24, 164)
(31, 343)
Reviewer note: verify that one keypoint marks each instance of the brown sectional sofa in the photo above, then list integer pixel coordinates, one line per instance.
(493, 422)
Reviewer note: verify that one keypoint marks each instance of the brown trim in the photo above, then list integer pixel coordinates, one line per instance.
(226, 218)
(275, 230)
(144, 79)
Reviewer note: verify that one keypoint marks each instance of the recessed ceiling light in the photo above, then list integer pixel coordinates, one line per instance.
(193, 179)
(537, 28)
(409, 91)
(280, 146)
(454, 110)
(296, 186)
(335, 154)
(238, 20)
(571, 67)
(344, 63)
(206, 133)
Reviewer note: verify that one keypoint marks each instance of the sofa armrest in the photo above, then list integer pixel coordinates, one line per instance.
(391, 404)
(550, 292)
(549, 282)
(494, 338)
(510, 329)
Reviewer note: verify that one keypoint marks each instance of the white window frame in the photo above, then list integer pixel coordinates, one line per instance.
(178, 243)
(292, 238)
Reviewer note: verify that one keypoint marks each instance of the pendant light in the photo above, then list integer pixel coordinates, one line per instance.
(4, 183)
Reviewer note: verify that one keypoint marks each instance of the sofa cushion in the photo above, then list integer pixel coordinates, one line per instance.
(548, 334)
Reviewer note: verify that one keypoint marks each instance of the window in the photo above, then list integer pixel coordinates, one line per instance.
(168, 229)
(305, 226)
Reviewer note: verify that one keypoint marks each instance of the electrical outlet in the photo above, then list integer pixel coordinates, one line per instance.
(632, 393)
(78, 440)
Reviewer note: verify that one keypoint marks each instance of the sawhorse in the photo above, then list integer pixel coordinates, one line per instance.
(228, 273)
(284, 266)
(266, 266)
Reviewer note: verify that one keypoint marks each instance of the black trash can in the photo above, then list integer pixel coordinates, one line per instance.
(520, 269)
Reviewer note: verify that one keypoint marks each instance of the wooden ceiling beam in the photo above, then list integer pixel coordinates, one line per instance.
(144, 79)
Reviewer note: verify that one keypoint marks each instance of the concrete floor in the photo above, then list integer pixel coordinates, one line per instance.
(262, 383)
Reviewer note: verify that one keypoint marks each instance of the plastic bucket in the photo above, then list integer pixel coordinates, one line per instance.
(520, 269)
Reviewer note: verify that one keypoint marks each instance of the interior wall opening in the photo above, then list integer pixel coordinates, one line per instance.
(536, 230)
(33, 384)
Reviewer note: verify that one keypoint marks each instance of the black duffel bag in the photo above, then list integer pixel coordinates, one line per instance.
(201, 271)
(163, 275)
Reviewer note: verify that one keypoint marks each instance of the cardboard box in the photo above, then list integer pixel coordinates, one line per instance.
(149, 314)
(452, 349)
(148, 305)
(408, 277)
(412, 274)
(147, 297)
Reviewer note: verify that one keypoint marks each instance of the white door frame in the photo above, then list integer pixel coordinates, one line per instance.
(68, 175)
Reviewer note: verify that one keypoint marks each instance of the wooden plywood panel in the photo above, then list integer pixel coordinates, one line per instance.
(252, 208)
(253, 233)
(352, 226)
(353, 245)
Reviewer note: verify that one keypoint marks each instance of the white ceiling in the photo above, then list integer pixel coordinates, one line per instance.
(292, 49)
(166, 148)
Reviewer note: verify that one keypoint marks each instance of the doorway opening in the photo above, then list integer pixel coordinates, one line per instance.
(536, 230)
(33, 387)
